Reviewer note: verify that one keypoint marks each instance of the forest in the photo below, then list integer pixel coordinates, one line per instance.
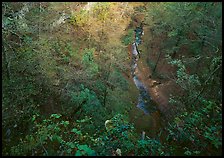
(111, 78)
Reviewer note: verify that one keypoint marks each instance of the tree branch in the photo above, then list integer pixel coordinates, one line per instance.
(43, 147)
(194, 101)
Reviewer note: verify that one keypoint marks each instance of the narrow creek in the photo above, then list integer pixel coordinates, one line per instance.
(145, 115)
(144, 98)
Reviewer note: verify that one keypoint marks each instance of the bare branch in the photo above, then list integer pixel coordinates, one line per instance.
(194, 101)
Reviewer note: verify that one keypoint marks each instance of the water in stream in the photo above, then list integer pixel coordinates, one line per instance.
(144, 98)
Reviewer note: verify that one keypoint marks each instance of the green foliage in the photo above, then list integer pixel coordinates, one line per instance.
(190, 43)
(19, 93)
(90, 106)
(74, 130)
(87, 99)
(84, 150)
(196, 127)
(121, 136)
(216, 61)
(150, 147)
(79, 19)
(151, 64)
(52, 137)
(73, 53)
(64, 51)
(118, 80)
(43, 71)
(178, 20)
(55, 115)
(128, 39)
(92, 68)
(186, 81)
(88, 56)
(140, 9)
(100, 10)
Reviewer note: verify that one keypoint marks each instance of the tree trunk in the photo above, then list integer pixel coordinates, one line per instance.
(77, 109)
(6, 64)
(105, 91)
(88, 31)
(198, 62)
(143, 135)
(39, 21)
(105, 97)
(156, 62)
(175, 52)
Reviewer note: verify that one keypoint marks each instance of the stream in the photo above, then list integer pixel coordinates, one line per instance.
(144, 98)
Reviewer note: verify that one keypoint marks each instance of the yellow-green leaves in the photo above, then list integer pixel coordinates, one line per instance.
(101, 10)
(79, 18)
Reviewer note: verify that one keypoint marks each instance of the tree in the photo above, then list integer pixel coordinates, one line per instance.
(191, 44)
